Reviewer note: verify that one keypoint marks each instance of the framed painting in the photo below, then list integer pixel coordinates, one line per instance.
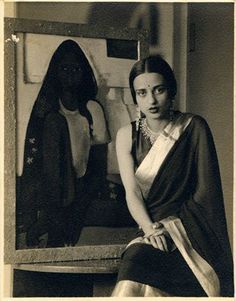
(41, 212)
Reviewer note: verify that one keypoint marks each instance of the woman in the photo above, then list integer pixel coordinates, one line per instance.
(65, 154)
(169, 169)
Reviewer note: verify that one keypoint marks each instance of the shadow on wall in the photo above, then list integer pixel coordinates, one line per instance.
(132, 15)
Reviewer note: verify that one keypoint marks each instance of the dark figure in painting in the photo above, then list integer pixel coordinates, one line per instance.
(65, 152)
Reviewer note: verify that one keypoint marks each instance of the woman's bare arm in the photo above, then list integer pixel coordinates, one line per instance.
(134, 197)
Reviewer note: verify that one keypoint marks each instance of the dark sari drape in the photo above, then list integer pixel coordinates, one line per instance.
(188, 186)
(50, 199)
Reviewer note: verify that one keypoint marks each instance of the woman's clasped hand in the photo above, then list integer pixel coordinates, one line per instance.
(159, 238)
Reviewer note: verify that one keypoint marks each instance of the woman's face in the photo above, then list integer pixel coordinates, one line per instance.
(70, 72)
(152, 95)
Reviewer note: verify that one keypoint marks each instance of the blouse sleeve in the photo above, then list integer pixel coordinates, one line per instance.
(100, 132)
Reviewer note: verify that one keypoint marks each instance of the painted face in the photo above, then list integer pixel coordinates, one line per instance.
(152, 95)
(70, 72)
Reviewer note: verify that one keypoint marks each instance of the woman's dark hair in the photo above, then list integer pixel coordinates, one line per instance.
(49, 94)
(154, 64)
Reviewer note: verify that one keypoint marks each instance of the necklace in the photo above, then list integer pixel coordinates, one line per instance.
(147, 132)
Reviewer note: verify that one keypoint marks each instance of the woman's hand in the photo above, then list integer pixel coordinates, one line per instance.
(157, 241)
(159, 238)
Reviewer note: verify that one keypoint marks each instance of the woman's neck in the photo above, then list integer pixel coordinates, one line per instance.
(157, 125)
(69, 100)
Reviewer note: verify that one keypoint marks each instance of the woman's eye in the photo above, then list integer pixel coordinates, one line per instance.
(141, 93)
(63, 68)
(159, 90)
(76, 69)
(71, 69)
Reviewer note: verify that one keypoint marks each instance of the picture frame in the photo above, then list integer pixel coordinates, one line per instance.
(32, 31)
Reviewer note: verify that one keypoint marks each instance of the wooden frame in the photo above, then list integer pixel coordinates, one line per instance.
(12, 28)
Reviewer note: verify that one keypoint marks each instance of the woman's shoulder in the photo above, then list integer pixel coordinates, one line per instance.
(96, 110)
(196, 120)
(93, 105)
(198, 125)
(100, 132)
(124, 138)
(125, 130)
(200, 122)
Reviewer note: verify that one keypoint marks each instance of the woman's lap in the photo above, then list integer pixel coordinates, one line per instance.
(166, 271)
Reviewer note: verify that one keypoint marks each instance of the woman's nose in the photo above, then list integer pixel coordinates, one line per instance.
(151, 98)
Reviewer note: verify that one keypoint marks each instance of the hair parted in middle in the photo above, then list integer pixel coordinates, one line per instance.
(153, 64)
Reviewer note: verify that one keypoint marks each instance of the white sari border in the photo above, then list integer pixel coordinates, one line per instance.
(202, 270)
(148, 169)
(204, 273)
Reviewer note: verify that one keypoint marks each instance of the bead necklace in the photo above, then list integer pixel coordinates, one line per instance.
(147, 132)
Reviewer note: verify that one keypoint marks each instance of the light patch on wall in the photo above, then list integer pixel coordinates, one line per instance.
(38, 50)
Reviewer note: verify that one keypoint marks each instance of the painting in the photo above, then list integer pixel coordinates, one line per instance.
(66, 96)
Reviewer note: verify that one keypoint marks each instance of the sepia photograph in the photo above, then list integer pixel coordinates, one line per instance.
(118, 149)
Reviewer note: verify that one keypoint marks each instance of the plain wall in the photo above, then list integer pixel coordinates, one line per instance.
(180, 44)
(210, 83)
(108, 14)
(54, 11)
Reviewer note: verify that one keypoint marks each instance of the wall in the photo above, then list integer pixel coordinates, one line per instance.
(127, 14)
(180, 43)
(10, 9)
(54, 11)
(210, 83)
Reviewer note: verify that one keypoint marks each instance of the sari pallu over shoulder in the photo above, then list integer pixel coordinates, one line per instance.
(187, 186)
(151, 164)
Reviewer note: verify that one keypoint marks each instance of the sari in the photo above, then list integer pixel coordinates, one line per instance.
(180, 183)
(61, 173)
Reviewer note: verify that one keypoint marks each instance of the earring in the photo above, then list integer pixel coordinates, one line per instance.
(171, 112)
(138, 117)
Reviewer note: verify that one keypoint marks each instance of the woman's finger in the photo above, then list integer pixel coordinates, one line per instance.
(153, 242)
(159, 231)
(156, 232)
(146, 240)
(160, 244)
(164, 243)
(157, 243)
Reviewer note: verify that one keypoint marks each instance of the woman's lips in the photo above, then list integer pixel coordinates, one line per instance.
(154, 110)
